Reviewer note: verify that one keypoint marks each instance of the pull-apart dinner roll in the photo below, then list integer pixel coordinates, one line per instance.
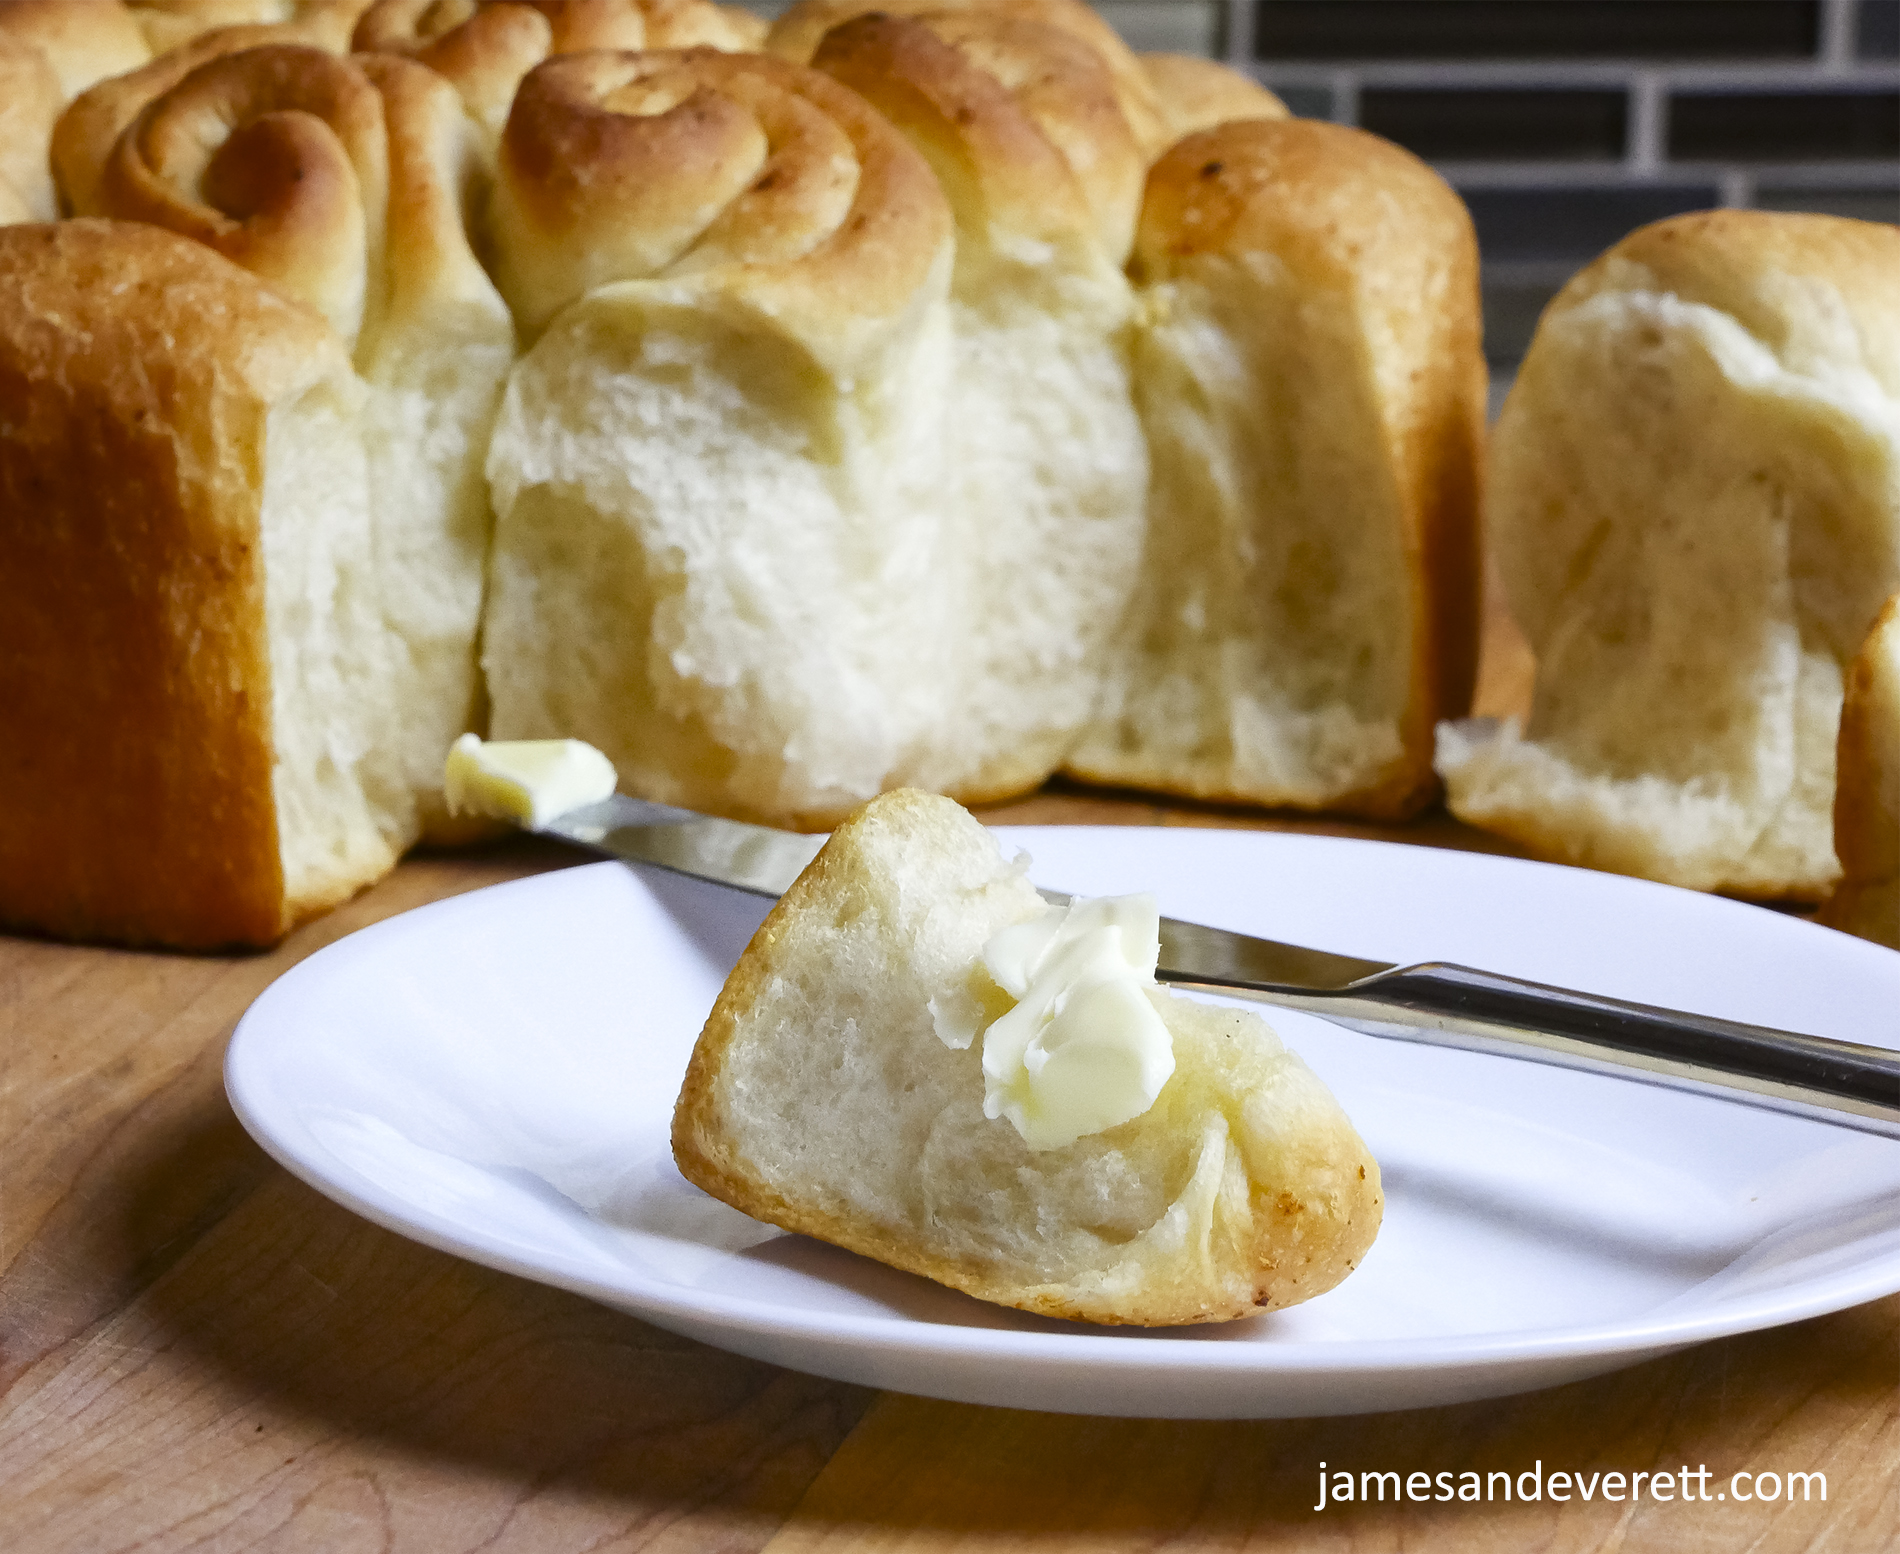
(485, 47)
(1695, 507)
(192, 662)
(716, 471)
(346, 184)
(1312, 389)
(833, 1093)
(1023, 126)
(1867, 792)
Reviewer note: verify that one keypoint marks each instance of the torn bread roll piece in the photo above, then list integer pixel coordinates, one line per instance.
(1023, 124)
(717, 470)
(349, 185)
(1312, 390)
(194, 668)
(1867, 791)
(1694, 503)
(844, 1088)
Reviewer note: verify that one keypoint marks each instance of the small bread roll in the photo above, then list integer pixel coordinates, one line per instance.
(171, 24)
(192, 664)
(1695, 508)
(485, 47)
(821, 1098)
(1867, 793)
(1023, 124)
(1312, 388)
(1196, 94)
(29, 104)
(716, 471)
(348, 185)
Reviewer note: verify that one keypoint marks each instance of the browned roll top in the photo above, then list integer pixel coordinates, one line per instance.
(169, 23)
(1020, 119)
(629, 166)
(796, 35)
(277, 158)
(485, 47)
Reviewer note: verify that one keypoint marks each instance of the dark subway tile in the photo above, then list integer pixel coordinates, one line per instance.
(1863, 204)
(1536, 29)
(1511, 311)
(1573, 225)
(1783, 126)
(1307, 102)
(1453, 126)
(1878, 30)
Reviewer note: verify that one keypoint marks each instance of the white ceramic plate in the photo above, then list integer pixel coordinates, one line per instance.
(494, 1075)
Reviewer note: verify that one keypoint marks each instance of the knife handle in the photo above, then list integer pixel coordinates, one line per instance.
(1838, 1082)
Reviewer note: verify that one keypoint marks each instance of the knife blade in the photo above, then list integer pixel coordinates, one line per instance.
(1843, 1083)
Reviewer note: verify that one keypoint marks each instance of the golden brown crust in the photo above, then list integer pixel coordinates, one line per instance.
(276, 158)
(29, 103)
(133, 658)
(797, 33)
(83, 40)
(1019, 120)
(1196, 94)
(485, 47)
(622, 166)
(92, 123)
(1353, 215)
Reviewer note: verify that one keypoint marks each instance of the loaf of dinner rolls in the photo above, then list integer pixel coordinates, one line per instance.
(1694, 502)
(1867, 790)
(1024, 126)
(717, 470)
(1312, 391)
(352, 183)
(828, 1095)
(193, 664)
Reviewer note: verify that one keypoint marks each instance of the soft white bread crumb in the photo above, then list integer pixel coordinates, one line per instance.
(821, 1099)
(1867, 798)
(1694, 503)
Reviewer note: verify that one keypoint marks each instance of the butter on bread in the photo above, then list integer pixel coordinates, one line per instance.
(821, 1098)
(1867, 793)
(1694, 504)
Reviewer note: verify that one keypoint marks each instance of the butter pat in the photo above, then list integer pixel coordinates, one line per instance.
(528, 781)
(1084, 1049)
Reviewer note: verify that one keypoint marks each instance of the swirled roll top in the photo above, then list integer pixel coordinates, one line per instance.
(90, 127)
(278, 159)
(622, 167)
(341, 183)
(1019, 121)
(485, 47)
(799, 31)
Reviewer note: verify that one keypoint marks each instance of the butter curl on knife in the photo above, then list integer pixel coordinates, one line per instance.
(527, 781)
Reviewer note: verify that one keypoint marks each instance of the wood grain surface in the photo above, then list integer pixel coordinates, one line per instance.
(197, 1352)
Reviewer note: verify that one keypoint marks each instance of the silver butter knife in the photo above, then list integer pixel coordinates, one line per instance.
(1838, 1082)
